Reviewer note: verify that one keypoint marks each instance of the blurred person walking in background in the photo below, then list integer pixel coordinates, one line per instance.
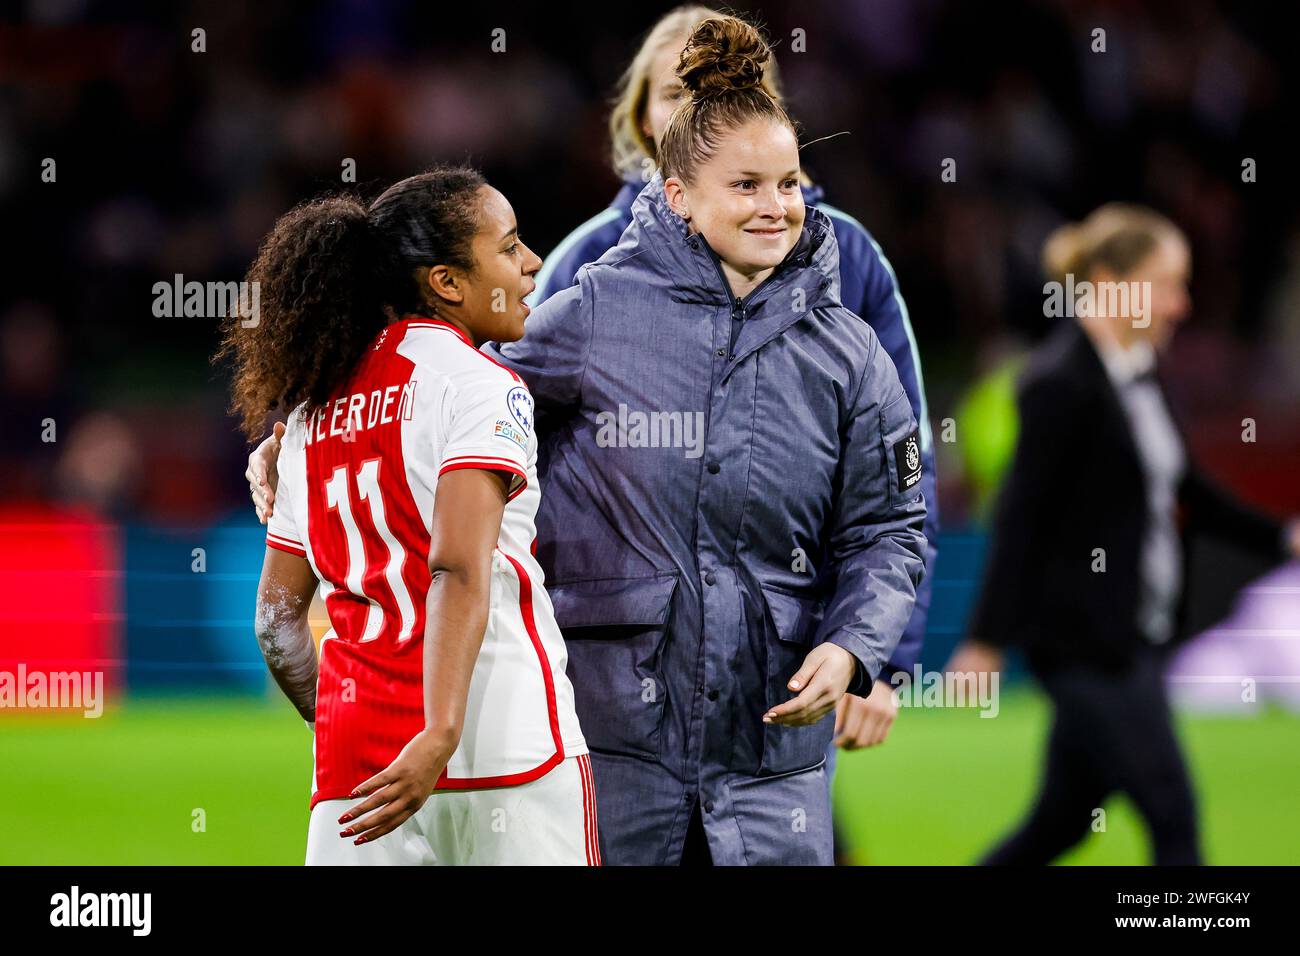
(1085, 570)
(647, 95)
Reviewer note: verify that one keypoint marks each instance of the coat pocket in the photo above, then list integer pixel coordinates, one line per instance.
(615, 629)
(791, 626)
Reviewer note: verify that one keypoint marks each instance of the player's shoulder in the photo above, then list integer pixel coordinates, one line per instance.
(589, 241)
(857, 245)
(585, 244)
(295, 430)
(441, 350)
(1056, 369)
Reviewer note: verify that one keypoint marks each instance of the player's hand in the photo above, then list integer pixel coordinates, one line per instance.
(261, 472)
(399, 790)
(821, 681)
(865, 722)
(975, 657)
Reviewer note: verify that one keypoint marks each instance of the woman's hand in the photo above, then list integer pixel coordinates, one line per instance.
(397, 791)
(261, 474)
(821, 681)
(865, 722)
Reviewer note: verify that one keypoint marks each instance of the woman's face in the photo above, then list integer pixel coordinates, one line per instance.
(1168, 269)
(664, 90)
(745, 199)
(492, 306)
(1164, 274)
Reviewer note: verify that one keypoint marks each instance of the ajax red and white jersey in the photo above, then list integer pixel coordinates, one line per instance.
(356, 498)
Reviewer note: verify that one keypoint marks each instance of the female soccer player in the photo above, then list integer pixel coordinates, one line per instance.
(648, 93)
(408, 486)
(1086, 563)
(732, 512)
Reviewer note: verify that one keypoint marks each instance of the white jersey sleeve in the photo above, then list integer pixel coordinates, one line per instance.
(488, 423)
(286, 529)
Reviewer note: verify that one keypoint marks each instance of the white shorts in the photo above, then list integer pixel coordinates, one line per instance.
(550, 821)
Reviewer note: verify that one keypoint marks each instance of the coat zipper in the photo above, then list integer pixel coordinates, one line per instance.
(738, 305)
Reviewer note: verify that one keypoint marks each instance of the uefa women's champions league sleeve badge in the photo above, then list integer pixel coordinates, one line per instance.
(521, 407)
(907, 455)
(520, 404)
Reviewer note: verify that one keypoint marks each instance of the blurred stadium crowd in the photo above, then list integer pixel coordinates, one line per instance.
(174, 161)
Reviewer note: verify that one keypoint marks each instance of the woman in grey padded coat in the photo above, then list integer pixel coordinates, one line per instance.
(731, 488)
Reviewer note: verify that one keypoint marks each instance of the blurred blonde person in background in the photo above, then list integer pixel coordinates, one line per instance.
(1085, 570)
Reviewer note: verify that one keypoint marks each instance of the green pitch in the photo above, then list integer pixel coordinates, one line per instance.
(225, 780)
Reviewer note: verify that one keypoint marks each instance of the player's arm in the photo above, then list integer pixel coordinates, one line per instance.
(884, 310)
(465, 528)
(280, 622)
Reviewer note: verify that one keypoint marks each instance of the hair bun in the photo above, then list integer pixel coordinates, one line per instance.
(723, 54)
(1063, 251)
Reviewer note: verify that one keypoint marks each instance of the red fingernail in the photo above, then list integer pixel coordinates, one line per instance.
(346, 833)
(345, 818)
(359, 841)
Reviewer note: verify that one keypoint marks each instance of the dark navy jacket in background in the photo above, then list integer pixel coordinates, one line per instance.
(867, 288)
(691, 582)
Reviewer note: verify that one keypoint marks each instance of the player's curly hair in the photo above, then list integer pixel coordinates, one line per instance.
(330, 275)
(722, 68)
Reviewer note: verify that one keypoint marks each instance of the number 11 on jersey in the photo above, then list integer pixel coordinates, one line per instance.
(338, 498)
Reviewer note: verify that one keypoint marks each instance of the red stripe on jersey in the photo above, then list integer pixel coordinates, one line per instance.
(589, 811)
(586, 813)
(530, 625)
(509, 463)
(489, 464)
(595, 817)
(370, 694)
(284, 544)
(421, 323)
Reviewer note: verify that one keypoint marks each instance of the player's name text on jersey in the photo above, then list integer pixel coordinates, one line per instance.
(349, 414)
(74, 908)
(24, 689)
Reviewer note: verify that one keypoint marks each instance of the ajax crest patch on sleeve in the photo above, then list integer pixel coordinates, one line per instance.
(907, 455)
